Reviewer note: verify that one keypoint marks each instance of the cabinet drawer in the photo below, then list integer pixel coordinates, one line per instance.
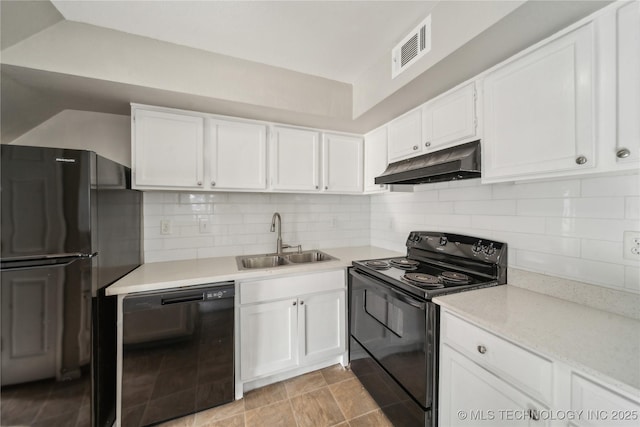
(530, 372)
(286, 287)
(601, 406)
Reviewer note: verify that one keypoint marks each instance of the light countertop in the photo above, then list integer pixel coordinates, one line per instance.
(599, 343)
(175, 274)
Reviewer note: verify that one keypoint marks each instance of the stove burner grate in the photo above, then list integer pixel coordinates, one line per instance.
(422, 279)
(378, 265)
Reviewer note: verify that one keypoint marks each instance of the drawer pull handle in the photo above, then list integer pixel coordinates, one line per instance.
(482, 349)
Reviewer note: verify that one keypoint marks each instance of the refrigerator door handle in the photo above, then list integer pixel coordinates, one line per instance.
(59, 260)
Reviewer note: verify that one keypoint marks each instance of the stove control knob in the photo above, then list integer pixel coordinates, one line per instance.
(489, 250)
(477, 247)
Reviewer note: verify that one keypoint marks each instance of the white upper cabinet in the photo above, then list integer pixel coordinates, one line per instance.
(446, 120)
(539, 111)
(450, 118)
(375, 159)
(342, 163)
(295, 161)
(405, 136)
(238, 156)
(628, 79)
(167, 150)
(174, 151)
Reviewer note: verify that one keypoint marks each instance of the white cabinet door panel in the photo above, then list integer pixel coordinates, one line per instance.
(342, 163)
(375, 159)
(168, 150)
(238, 156)
(295, 159)
(405, 136)
(539, 110)
(322, 325)
(450, 118)
(628, 66)
(268, 338)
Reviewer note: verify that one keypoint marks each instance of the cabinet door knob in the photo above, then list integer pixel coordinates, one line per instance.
(199, 182)
(326, 187)
(415, 147)
(213, 183)
(623, 153)
(301, 302)
(427, 144)
(482, 349)
(317, 187)
(294, 303)
(581, 160)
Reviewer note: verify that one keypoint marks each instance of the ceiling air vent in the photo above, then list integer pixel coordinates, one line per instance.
(412, 47)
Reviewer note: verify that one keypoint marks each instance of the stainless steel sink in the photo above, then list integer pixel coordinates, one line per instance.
(309, 256)
(265, 261)
(250, 262)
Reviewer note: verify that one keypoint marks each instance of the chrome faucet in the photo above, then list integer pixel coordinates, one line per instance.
(279, 245)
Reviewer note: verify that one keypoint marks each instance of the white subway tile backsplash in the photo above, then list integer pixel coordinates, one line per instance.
(605, 207)
(568, 228)
(609, 186)
(537, 190)
(485, 207)
(632, 207)
(540, 243)
(478, 192)
(239, 223)
(596, 229)
(508, 223)
(601, 273)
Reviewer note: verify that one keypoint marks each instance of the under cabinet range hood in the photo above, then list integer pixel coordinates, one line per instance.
(454, 163)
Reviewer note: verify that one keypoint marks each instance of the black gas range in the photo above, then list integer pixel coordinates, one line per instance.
(394, 326)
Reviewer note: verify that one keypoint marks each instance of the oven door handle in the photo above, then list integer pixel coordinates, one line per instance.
(388, 289)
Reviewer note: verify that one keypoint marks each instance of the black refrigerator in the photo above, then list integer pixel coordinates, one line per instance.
(70, 227)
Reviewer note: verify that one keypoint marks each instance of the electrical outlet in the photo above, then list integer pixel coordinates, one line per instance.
(631, 245)
(205, 227)
(165, 226)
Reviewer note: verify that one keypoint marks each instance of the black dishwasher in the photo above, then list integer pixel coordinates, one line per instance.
(177, 353)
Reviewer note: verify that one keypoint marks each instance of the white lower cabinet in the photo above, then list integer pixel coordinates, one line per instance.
(268, 337)
(486, 380)
(321, 326)
(289, 323)
(473, 396)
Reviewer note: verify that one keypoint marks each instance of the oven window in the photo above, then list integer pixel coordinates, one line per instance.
(384, 311)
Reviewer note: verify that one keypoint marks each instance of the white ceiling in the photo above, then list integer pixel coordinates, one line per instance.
(338, 40)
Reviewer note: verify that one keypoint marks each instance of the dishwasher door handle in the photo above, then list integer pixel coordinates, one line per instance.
(183, 298)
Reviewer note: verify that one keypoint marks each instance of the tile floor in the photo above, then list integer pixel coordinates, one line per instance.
(329, 397)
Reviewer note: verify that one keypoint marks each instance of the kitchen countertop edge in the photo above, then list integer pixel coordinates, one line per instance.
(577, 335)
(183, 273)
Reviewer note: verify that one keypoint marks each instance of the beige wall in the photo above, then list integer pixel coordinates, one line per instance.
(453, 25)
(88, 51)
(107, 134)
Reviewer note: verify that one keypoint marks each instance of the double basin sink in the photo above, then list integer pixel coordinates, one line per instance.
(249, 262)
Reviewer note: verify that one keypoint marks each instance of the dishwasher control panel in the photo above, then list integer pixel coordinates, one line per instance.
(217, 294)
